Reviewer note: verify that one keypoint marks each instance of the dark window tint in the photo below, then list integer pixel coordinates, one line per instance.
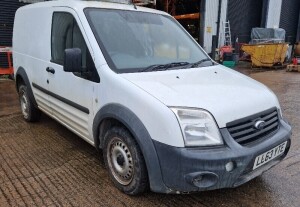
(62, 27)
(66, 34)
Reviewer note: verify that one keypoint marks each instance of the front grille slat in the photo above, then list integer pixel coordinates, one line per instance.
(272, 121)
(241, 127)
(251, 136)
(244, 131)
(237, 134)
(250, 129)
(275, 113)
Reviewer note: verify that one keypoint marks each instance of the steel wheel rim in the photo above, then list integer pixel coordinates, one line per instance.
(120, 161)
(24, 105)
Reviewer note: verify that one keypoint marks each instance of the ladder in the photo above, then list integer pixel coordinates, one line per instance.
(227, 33)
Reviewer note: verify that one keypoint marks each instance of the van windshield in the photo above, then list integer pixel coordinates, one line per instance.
(134, 41)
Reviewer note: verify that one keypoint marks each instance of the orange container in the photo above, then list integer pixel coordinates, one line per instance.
(9, 70)
(225, 49)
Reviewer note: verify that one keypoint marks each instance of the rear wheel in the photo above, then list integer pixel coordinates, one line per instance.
(29, 111)
(124, 161)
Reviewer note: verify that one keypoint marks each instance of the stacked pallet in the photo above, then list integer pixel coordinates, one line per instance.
(293, 68)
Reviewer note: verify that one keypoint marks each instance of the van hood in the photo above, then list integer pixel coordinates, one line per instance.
(226, 94)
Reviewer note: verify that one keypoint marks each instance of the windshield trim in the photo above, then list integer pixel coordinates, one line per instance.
(107, 57)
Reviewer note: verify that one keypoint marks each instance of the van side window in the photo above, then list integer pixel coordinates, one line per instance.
(66, 34)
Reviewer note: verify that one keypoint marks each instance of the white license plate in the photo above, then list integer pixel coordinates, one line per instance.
(269, 155)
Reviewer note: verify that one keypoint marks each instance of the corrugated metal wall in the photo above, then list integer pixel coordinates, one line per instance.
(273, 14)
(7, 14)
(211, 19)
(210, 26)
(289, 19)
(243, 16)
(223, 19)
(264, 13)
(298, 32)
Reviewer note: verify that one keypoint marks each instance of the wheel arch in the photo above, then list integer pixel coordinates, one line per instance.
(21, 77)
(118, 114)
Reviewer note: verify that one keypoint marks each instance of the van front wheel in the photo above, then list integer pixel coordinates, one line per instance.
(124, 161)
(29, 111)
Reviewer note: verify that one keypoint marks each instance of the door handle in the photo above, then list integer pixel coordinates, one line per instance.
(50, 70)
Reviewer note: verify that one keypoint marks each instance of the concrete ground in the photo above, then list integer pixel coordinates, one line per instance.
(44, 164)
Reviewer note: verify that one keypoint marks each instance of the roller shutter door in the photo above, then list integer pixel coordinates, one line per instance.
(243, 16)
(7, 14)
(289, 18)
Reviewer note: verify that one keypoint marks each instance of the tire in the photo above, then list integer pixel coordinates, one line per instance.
(125, 162)
(29, 111)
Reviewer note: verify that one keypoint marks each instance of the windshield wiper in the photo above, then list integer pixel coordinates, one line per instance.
(161, 67)
(196, 64)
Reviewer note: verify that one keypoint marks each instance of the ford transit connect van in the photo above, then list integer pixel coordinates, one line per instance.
(133, 83)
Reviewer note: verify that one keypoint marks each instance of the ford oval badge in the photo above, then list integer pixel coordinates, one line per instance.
(260, 124)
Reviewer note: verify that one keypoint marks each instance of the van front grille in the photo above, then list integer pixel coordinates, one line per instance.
(244, 131)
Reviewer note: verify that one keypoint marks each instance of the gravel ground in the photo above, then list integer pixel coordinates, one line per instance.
(44, 164)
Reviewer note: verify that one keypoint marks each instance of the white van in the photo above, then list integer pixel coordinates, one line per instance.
(133, 83)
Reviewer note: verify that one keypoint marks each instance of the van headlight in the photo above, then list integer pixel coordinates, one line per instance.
(198, 127)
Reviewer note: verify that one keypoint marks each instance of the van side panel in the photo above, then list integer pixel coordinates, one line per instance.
(32, 48)
(36, 41)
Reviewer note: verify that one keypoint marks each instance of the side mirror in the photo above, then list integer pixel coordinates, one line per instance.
(73, 60)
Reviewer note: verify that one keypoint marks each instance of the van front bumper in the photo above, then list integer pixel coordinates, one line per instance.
(197, 169)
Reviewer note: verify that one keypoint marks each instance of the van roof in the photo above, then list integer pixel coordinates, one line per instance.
(82, 4)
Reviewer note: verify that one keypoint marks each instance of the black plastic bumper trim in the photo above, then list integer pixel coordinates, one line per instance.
(191, 169)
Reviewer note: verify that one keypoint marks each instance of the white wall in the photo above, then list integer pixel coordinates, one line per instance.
(273, 14)
(223, 20)
(211, 19)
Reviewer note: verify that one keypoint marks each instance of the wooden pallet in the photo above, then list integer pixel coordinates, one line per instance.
(293, 68)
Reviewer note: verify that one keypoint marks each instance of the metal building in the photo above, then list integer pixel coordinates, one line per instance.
(289, 19)
(245, 14)
(7, 14)
(204, 19)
